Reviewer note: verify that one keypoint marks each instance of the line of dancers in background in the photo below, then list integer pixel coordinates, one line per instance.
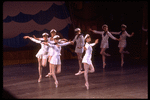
(51, 50)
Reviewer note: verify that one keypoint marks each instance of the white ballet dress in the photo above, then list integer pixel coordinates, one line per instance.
(88, 53)
(79, 43)
(104, 41)
(43, 52)
(122, 42)
(57, 53)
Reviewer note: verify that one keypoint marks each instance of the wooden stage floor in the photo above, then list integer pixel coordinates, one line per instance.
(113, 82)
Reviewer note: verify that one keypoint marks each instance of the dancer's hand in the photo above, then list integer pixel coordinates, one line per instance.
(84, 48)
(96, 41)
(118, 39)
(132, 33)
(25, 37)
(64, 39)
(90, 29)
(34, 36)
(71, 42)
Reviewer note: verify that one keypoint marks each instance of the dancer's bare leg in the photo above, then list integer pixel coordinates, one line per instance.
(40, 69)
(80, 63)
(50, 68)
(80, 60)
(102, 52)
(122, 55)
(53, 74)
(58, 69)
(86, 69)
(44, 62)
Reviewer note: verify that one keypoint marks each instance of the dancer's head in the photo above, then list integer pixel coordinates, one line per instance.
(123, 27)
(87, 38)
(45, 36)
(105, 27)
(56, 38)
(77, 30)
(53, 32)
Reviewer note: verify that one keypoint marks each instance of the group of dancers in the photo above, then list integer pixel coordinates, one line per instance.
(51, 50)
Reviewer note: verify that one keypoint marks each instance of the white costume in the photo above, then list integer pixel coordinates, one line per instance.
(42, 53)
(122, 42)
(79, 43)
(57, 53)
(104, 41)
(88, 53)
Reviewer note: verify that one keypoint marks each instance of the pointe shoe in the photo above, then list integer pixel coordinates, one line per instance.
(122, 64)
(56, 84)
(48, 75)
(104, 64)
(79, 73)
(87, 86)
(39, 80)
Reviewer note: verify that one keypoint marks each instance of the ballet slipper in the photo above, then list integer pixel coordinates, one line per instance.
(39, 80)
(79, 73)
(48, 75)
(56, 84)
(122, 64)
(87, 86)
(104, 64)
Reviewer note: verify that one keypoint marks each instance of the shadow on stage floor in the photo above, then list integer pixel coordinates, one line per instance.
(130, 81)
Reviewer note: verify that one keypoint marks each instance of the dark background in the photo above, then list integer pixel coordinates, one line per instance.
(93, 14)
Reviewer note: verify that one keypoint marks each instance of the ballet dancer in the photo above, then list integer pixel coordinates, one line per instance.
(104, 42)
(122, 43)
(88, 66)
(50, 51)
(42, 53)
(55, 59)
(79, 39)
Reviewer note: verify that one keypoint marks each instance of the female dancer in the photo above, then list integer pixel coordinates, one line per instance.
(88, 66)
(50, 51)
(104, 42)
(55, 60)
(122, 43)
(79, 39)
(42, 53)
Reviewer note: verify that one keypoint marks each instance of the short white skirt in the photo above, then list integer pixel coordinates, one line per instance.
(104, 45)
(122, 44)
(77, 50)
(87, 59)
(55, 60)
(50, 51)
(42, 54)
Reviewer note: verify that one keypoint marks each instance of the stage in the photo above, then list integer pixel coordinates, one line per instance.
(113, 82)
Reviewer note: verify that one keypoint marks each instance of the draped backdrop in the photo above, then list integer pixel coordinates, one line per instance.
(22, 18)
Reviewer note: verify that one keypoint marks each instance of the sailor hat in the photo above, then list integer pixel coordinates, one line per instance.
(87, 35)
(104, 26)
(77, 29)
(56, 36)
(45, 34)
(123, 25)
(53, 30)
